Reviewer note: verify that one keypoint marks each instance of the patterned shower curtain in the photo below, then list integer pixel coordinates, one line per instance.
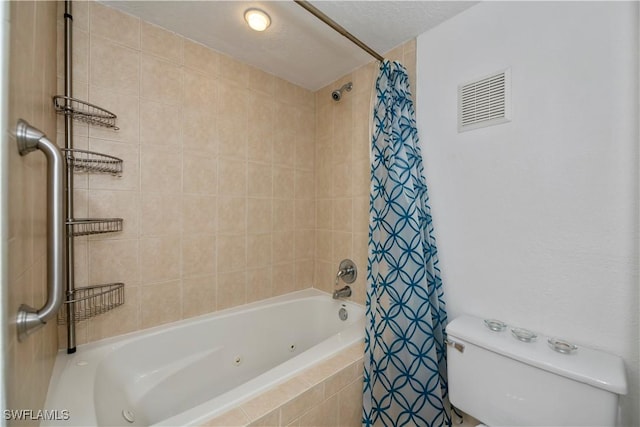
(405, 356)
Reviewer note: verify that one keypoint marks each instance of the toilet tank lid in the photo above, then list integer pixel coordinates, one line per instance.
(586, 365)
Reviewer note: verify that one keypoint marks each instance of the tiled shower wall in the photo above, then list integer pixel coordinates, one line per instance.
(229, 193)
(218, 191)
(343, 171)
(32, 83)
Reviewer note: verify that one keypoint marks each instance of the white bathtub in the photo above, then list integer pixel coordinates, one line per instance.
(187, 372)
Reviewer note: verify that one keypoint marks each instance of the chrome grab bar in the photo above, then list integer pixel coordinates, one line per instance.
(30, 139)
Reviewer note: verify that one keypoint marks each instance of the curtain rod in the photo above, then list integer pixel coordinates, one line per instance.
(333, 24)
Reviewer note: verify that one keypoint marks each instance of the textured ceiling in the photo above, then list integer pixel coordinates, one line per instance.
(297, 47)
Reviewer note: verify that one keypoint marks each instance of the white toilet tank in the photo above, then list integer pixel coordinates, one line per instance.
(502, 381)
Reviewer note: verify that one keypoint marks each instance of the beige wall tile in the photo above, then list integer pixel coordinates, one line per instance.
(160, 80)
(81, 262)
(80, 54)
(305, 151)
(259, 284)
(200, 173)
(261, 81)
(304, 184)
(361, 175)
(114, 66)
(232, 253)
(324, 275)
(324, 242)
(161, 170)
(160, 303)
(271, 419)
(160, 214)
(287, 91)
(301, 404)
(350, 405)
(259, 250)
(259, 214)
(284, 147)
(364, 79)
(342, 215)
(342, 246)
(305, 211)
(114, 25)
(324, 183)
(260, 182)
(232, 213)
(361, 214)
(232, 418)
(198, 255)
(231, 289)
(324, 120)
(304, 274)
(159, 259)
(199, 91)
(199, 214)
(160, 42)
(113, 261)
(342, 185)
(80, 15)
(283, 215)
(324, 213)
(283, 182)
(121, 320)
(160, 124)
(200, 58)
(198, 295)
(234, 70)
(324, 414)
(283, 242)
(199, 131)
(338, 381)
(272, 399)
(282, 279)
(233, 119)
(232, 177)
(260, 132)
(304, 244)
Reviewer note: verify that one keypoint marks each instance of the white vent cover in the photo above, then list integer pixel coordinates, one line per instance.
(485, 102)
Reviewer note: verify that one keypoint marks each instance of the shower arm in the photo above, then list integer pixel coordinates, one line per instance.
(29, 319)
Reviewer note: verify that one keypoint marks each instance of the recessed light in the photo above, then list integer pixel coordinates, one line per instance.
(257, 19)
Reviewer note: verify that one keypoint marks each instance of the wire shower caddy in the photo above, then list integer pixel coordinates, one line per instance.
(90, 301)
(84, 112)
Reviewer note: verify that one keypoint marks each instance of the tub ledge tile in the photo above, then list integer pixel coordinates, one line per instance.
(232, 418)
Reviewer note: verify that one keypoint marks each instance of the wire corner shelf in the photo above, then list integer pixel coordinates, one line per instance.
(91, 161)
(88, 226)
(84, 112)
(90, 301)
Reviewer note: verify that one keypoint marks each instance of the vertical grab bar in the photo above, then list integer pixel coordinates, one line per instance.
(30, 139)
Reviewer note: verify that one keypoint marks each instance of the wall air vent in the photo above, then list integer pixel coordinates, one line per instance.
(485, 102)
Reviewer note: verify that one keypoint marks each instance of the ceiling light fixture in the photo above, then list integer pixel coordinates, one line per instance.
(257, 19)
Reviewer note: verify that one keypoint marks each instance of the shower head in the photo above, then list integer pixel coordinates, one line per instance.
(336, 95)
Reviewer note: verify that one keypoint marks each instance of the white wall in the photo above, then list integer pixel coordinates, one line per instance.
(537, 219)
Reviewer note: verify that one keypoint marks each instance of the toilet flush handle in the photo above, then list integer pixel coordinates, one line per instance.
(456, 345)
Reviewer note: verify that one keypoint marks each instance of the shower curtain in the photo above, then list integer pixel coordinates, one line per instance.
(404, 363)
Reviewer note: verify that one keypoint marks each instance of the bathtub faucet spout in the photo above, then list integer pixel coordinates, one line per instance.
(342, 292)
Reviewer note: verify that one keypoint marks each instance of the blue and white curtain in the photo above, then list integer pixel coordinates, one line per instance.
(405, 356)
